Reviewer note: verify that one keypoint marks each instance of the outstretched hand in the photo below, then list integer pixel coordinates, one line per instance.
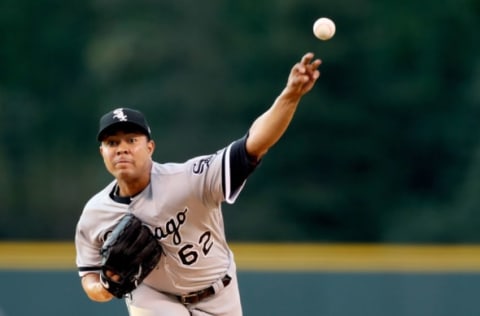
(271, 125)
(303, 75)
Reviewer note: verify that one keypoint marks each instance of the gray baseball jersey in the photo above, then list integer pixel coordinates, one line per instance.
(182, 206)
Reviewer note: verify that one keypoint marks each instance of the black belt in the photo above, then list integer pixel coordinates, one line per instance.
(195, 297)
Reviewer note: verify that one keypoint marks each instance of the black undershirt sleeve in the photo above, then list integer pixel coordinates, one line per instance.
(241, 163)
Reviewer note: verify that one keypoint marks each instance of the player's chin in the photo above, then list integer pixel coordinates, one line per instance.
(123, 173)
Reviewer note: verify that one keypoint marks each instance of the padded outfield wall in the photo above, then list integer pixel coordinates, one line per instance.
(275, 279)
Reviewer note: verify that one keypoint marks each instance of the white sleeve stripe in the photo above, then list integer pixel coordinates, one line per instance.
(230, 196)
(83, 273)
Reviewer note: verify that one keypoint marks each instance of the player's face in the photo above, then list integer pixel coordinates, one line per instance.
(127, 156)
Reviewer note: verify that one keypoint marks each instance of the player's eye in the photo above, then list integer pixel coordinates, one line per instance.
(132, 140)
(111, 143)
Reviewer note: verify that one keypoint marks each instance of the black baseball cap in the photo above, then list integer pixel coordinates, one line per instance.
(123, 119)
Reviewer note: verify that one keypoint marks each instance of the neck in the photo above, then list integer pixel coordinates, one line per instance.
(131, 186)
(128, 190)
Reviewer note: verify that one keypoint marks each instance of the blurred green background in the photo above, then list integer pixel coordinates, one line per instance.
(386, 148)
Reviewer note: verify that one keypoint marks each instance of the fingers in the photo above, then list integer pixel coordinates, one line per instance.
(113, 276)
(308, 62)
(304, 74)
(307, 58)
(307, 68)
(307, 65)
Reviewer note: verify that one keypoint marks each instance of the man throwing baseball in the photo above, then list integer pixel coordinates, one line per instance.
(180, 204)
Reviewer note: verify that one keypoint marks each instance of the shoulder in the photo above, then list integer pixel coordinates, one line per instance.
(99, 214)
(100, 198)
(100, 207)
(193, 165)
(169, 168)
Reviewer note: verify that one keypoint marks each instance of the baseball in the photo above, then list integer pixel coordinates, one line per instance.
(324, 29)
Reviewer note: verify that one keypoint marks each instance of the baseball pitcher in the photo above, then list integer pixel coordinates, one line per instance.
(155, 235)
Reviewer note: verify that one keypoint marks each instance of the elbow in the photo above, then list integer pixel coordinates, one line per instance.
(256, 150)
(257, 145)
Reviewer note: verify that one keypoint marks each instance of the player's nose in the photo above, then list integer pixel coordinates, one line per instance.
(122, 148)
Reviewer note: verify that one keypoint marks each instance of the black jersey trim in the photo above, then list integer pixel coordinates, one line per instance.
(241, 164)
(119, 199)
(87, 269)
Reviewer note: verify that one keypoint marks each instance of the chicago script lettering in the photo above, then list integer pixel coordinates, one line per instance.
(172, 227)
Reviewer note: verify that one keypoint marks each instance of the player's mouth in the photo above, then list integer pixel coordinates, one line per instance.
(121, 162)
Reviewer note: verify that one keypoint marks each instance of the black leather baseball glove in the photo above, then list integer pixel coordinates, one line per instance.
(129, 254)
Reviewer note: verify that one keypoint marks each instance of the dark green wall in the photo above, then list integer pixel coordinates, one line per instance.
(384, 149)
(27, 293)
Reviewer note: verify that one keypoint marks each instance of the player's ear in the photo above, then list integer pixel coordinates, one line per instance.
(151, 146)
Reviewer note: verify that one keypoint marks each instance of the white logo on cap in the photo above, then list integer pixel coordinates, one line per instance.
(118, 114)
